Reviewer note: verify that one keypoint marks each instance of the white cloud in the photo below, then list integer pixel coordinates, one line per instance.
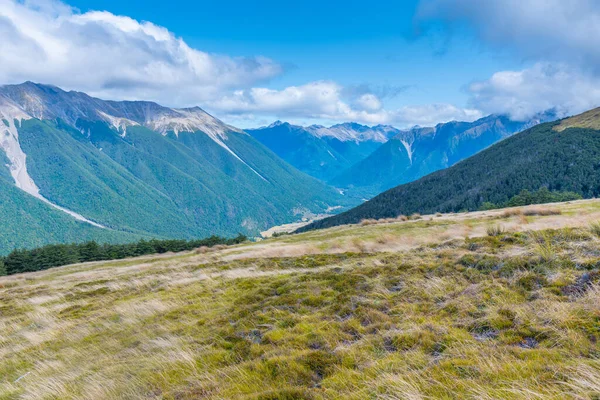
(369, 102)
(551, 30)
(117, 57)
(557, 38)
(521, 94)
(114, 56)
(431, 114)
(325, 100)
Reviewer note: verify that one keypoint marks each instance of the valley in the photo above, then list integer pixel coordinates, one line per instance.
(364, 161)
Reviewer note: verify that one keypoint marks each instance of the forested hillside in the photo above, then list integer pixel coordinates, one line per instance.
(131, 170)
(545, 156)
(416, 152)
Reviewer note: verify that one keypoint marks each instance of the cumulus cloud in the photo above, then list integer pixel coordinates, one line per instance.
(385, 91)
(521, 94)
(114, 56)
(557, 38)
(117, 57)
(328, 100)
(369, 102)
(431, 114)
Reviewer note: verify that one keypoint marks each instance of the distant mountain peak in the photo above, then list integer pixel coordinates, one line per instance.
(352, 131)
(344, 132)
(277, 123)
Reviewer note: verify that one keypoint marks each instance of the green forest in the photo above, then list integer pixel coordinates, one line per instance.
(56, 255)
(525, 198)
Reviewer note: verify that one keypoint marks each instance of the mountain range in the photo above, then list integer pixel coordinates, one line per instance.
(366, 160)
(561, 156)
(74, 167)
(320, 151)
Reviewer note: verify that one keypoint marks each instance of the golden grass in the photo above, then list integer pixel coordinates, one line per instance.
(589, 119)
(413, 309)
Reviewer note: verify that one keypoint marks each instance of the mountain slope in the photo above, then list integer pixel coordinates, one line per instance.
(417, 152)
(144, 169)
(22, 215)
(543, 156)
(319, 151)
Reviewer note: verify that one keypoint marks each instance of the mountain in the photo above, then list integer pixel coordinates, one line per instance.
(562, 156)
(136, 169)
(320, 151)
(417, 152)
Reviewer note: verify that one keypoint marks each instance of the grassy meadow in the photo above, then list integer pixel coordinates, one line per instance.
(501, 304)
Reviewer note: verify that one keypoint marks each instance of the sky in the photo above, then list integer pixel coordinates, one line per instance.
(403, 63)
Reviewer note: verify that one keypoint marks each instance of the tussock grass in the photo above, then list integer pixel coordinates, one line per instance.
(595, 228)
(507, 316)
(401, 218)
(495, 230)
(530, 212)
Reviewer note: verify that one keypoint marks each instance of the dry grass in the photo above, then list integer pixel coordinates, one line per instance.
(589, 119)
(530, 212)
(495, 230)
(595, 228)
(413, 309)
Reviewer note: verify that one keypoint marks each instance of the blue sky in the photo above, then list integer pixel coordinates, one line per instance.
(349, 42)
(401, 63)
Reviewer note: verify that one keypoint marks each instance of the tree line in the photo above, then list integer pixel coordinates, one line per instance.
(525, 198)
(55, 255)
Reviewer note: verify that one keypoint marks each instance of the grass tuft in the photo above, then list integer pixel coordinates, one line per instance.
(495, 230)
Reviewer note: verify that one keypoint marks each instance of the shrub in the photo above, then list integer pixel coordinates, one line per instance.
(541, 212)
(511, 213)
(495, 230)
(367, 222)
(531, 212)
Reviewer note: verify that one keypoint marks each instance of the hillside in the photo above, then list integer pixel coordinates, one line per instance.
(559, 160)
(320, 151)
(427, 309)
(414, 153)
(133, 169)
(28, 221)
